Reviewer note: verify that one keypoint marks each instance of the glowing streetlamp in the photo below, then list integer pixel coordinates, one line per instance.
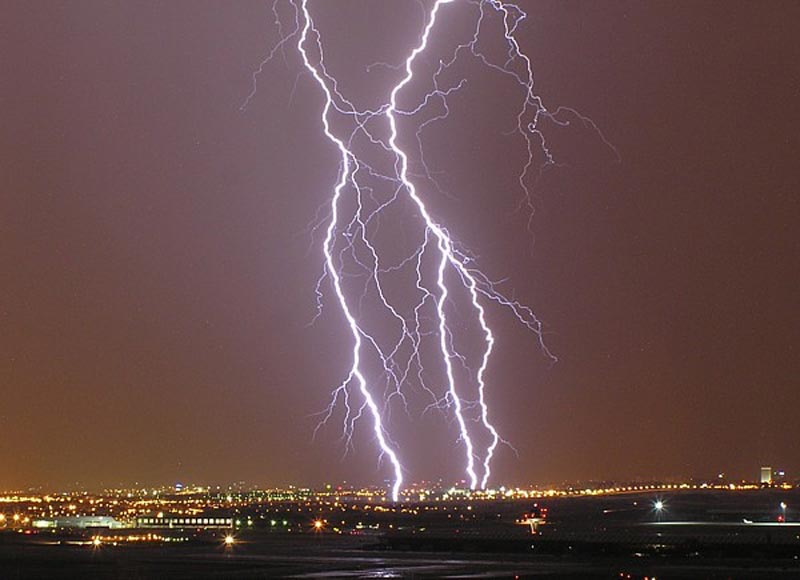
(783, 510)
(659, 508)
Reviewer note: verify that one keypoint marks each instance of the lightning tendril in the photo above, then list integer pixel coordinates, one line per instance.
(375, 177)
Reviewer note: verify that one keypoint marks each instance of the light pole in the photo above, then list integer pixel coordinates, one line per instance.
(659, 507)
(783, 509)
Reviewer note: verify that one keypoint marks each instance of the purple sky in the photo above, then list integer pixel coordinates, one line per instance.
(158, 272)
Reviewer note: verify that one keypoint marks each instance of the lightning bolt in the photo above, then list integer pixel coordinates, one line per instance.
(440, 268)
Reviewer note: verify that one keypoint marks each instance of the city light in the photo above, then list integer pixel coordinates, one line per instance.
(229, 540)
(144, 515)
(659, 508)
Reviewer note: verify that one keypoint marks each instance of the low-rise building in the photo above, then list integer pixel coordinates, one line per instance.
(180, 521)
(79, 523)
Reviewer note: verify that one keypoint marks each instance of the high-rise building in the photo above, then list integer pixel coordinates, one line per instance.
(766, 475)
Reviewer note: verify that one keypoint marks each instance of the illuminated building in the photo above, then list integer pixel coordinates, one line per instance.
(79, 522)
(766, 475)
(178, 521)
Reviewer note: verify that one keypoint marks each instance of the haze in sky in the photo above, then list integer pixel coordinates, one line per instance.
(158, 270)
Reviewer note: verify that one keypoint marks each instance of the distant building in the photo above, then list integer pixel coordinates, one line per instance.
(79, 522)
(169, 521)
(766, 475)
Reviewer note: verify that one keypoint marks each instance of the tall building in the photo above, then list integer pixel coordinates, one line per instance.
(766, 475)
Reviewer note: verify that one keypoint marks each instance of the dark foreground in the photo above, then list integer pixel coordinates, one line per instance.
(702, 536)
(340, 558)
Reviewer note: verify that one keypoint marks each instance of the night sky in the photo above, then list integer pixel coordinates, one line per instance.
(158, 268)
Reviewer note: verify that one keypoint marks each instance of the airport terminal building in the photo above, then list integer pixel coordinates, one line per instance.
(80, 523)
(162, 521)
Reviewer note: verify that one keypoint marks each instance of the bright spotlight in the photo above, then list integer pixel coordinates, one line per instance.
(318, 525)
(229, 540)
(659, 505)
(96, 542)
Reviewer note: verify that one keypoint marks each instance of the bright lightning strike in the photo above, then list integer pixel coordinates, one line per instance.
(387, 332)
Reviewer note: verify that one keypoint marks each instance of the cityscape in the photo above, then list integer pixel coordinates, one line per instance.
(650, 528)
(235, 508)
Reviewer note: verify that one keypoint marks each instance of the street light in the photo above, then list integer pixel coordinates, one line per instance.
(783, 509)
(659, 508)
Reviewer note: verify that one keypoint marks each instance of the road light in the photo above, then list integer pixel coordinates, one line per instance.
(783, 509)
(659, 508)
